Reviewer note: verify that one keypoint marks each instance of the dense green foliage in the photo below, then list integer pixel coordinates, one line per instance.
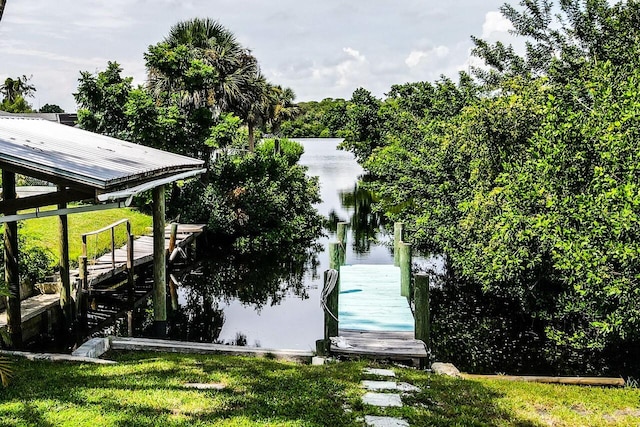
(527, 183)
(150, 389)
(51, 108)
(324, 119)
(14, 93)
(260, 201)
(203, 84)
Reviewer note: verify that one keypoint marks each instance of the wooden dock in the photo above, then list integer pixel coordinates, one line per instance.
(375, 321)
(108, 265)
(370, 299)
(40, 313)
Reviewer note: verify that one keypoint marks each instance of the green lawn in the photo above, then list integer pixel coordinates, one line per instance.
(148, 390)
(43, 232)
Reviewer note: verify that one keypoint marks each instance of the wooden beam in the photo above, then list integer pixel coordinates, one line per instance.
(11, 269)
(422, 316)
(588, 381)
(65, 289)
(60, 197)
(159, 264)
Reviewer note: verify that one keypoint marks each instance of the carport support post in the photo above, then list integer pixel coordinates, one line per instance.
(65, 289)
(159, 264)
(11, 269)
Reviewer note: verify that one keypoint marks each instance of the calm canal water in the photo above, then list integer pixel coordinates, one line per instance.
(289, 314)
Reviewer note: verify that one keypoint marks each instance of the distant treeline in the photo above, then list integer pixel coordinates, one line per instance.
(324, 119)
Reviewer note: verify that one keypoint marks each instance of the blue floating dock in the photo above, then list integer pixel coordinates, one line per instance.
(370, 299)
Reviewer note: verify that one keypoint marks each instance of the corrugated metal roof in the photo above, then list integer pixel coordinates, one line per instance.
(70, 154)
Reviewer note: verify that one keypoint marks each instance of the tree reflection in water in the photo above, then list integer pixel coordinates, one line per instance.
(364, 223)
(255, 279)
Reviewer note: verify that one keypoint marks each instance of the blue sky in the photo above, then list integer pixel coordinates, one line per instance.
(319, 49)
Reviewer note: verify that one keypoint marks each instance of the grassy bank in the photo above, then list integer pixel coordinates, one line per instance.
(149, 390)
(43, 232)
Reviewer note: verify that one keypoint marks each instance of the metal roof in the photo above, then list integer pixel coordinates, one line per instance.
(70, 155)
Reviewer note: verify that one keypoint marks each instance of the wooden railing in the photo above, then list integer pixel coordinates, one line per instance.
(111, 228)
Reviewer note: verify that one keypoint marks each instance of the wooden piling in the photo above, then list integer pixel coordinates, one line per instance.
(159, 264)
(422, 310)
(335, 257)
(173, 292)
(342, 239)
(173, 236)
(398, 236)
(65, 282)
(405, 269)
(82, 296)
(131, 278)
(11, 268)
(330, 317)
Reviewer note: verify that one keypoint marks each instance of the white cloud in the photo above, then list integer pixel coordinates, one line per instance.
(417, 56)
(495, 22)
(414, 58)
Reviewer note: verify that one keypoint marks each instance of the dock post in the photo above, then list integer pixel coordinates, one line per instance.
(65, 282)
(342, 239)
(422, 310)
(335, 255)
(398, 236)
(173, 236)
(331, 314)
(405, 269)
(159, 264)
(82, 295)
(131, 281)
(11, 268)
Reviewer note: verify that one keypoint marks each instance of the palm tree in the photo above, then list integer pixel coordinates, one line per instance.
(210, 68)
(282, 107)
(2, 5)
(255, 105)
(14, 88)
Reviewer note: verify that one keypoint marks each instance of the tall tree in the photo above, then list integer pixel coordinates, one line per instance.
(18, 87)
(102, 100)
(201, 65)
(281, 107)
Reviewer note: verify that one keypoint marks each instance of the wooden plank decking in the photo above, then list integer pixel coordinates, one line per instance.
(375, 320)
(370, 299)
(102, 269)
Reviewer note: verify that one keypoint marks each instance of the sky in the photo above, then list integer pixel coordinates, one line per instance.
(319, 49)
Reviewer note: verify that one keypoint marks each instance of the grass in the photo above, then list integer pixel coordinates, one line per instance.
(43, 232)
(148, 390)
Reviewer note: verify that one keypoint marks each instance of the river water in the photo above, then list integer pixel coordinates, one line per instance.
(292, 318)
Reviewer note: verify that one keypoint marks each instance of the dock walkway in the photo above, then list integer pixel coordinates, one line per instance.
(375, 321)
(103, 269)
(370, 299)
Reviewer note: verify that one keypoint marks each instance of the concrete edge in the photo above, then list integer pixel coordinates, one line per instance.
(147, 344)
(55, 357)
(93, 348)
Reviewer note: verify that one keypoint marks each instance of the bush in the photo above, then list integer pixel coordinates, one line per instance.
(257, 201)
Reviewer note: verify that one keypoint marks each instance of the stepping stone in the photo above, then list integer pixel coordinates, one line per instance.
(379, 385)
(382, 399)
(380, 372)
(407, 388)
(372, 421)
(205, 386)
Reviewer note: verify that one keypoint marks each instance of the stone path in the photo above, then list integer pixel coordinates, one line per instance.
(384, 393)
